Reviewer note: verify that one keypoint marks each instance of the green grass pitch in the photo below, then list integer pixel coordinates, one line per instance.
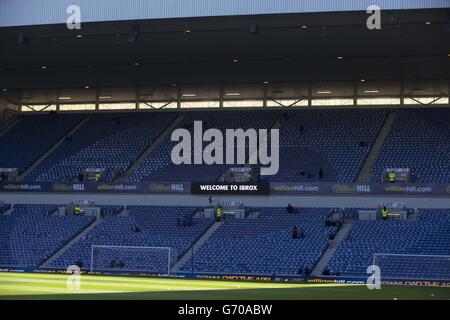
(52, 286)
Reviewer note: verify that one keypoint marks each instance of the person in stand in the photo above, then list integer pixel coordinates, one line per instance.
(118, 172)
(179, 222)
(321, 174)
(219, 214)
(294, 232)
(136, 229)
(187, 220)
(210, 200)
(77, 210)
(98, 177)
(81, 177)
(290, 208)
(391, 177)
(414, 177)
(384, 213)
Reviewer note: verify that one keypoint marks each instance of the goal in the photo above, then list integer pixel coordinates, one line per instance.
(151, 260)
(411, 266)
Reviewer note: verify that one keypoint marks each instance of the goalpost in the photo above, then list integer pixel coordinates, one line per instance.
(413, 266)
(132, 259)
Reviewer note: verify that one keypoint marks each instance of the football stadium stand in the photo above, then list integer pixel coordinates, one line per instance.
(31, 234)
(427, 236)
(419, 140)
(159, 167)
(98, 100)
(265, 245)
(261, 244)
(311, 140)
(31, 137)
(157, 227)
(106, 141)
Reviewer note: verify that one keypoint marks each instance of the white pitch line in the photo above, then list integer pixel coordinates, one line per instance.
(48, 290)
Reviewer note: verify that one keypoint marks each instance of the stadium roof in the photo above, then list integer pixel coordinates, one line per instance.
(39, 12)
(289, 51)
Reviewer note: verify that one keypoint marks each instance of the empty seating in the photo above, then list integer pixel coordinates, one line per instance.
(106, 141)
(419, 140)
(264, 245)
(159, 166)
(141, 241)
(429, 235)
(32, 137)
(111, 211)
(327, 139)
(157, 228)
(337, 141)
(30, 235)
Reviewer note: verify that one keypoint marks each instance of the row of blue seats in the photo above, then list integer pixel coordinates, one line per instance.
(106, 141)
(158, 166)
(154, 229)
(31, 234)
(265, 245)
(419, 140)
(334, 142)
(32, 137)
(428, 236)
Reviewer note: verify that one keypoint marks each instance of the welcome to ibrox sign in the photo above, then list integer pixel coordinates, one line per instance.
(261, 188)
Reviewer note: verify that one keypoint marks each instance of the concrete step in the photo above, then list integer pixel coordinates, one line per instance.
(150, 149)
(366, 169)
(71, 243)
(8, 124)
(197, 245)
(8, 212)
(52, 149)
(334, 244)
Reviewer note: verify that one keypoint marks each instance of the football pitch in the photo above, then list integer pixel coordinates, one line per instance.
(54, 287)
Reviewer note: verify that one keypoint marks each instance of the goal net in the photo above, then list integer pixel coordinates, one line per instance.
(154, 260)
(410, 266)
